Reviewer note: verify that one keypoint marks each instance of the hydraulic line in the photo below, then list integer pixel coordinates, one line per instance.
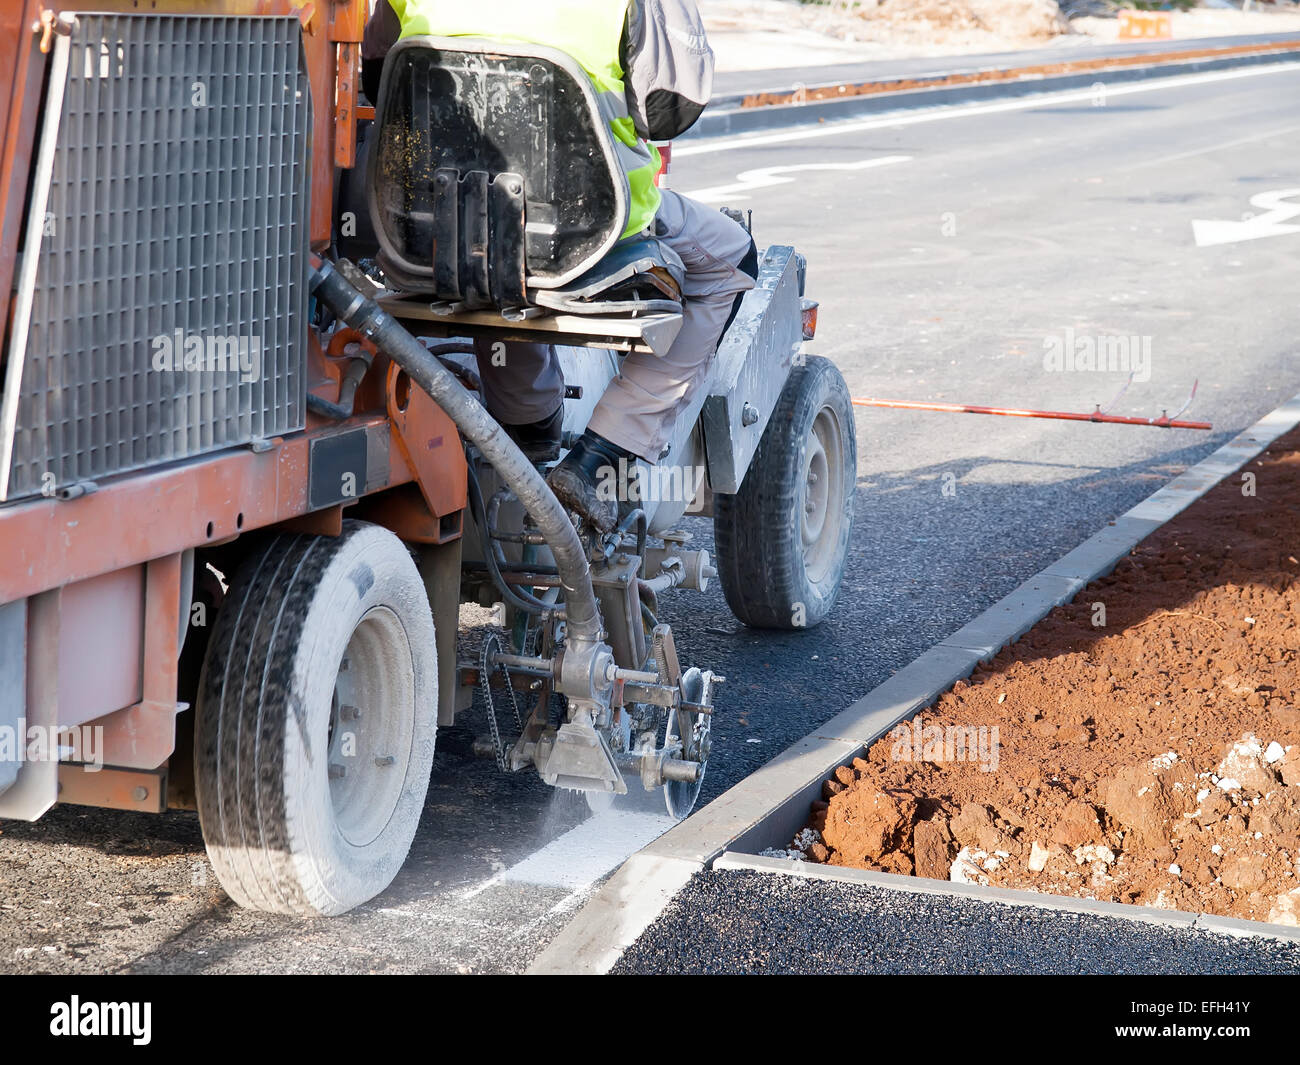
(387, 334)
(517, 598)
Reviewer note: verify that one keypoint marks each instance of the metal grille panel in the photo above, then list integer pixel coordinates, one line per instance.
(168, 317)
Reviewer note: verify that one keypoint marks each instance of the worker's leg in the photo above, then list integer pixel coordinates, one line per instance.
(523, 388)
(640, 407)
(636, 415)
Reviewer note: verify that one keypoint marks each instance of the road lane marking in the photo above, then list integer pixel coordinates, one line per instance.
(938, 114)
(1269, 224)
(581, 856)
(571, 901)
(767, 176)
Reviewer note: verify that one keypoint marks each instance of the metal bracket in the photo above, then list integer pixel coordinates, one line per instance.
(754, 361)
(579, 758)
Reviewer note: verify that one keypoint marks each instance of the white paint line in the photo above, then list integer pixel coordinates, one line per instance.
(581, 856)
(571, 901)
(938, 114)
(1251, 227)
(616, 915)
(767, 176)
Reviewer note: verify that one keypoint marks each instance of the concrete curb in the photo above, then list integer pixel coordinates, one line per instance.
(1203, 922)
(770, 805)
(725, 117)
(625, 906)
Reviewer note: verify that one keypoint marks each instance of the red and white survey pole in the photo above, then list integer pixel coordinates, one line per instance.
(1163, 422)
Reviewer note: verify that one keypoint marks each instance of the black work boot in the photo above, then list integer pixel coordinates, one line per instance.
(539, 441)
(576, 482)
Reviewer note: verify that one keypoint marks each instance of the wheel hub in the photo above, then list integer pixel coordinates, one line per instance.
(370, 729)
(820, 519)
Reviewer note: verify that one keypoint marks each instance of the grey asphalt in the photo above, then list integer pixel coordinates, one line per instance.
(740, 922)
(1065, 215)
(1062, 49)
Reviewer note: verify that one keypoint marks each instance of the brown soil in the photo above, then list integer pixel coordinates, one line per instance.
(1151, 759)
(1076, 66)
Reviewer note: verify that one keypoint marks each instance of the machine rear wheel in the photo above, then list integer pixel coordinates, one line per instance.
(782, 540)
(315, 722)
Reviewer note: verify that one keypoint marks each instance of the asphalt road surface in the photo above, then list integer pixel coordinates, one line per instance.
(741, 922)
(948, 251)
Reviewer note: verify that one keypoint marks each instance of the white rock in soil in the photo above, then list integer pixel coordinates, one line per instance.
(1286, 909)
(965, 868)
(806, 838)
(1038, 855)
(1094, 852)
(1289, 767)
(1175, 869)
(1246, 766)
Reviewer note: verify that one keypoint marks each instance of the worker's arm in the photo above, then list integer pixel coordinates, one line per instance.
(668, 66)
(382, 30)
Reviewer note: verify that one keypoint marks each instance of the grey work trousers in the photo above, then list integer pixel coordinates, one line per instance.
(640, 406)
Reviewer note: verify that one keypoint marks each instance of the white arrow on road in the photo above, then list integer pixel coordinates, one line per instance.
(1269, 224)
(776, 175)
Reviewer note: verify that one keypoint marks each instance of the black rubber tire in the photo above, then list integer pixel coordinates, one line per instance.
(282, 834)
(770, 579)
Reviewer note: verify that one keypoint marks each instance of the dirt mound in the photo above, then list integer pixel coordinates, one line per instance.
(1025, 20)
(864, 823)
(1141, 744)
(890, 26)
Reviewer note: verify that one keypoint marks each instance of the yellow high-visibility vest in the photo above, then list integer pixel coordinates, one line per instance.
(590, 31)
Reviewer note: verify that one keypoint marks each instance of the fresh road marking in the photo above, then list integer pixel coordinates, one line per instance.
(581, 856)
(765, 177)
(1251, 227)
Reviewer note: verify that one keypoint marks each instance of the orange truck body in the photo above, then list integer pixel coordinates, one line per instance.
(103, 575)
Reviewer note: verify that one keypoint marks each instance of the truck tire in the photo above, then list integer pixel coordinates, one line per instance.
(782, 540)
(315, 722)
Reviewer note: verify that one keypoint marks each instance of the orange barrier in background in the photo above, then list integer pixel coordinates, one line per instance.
(1145, 25)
